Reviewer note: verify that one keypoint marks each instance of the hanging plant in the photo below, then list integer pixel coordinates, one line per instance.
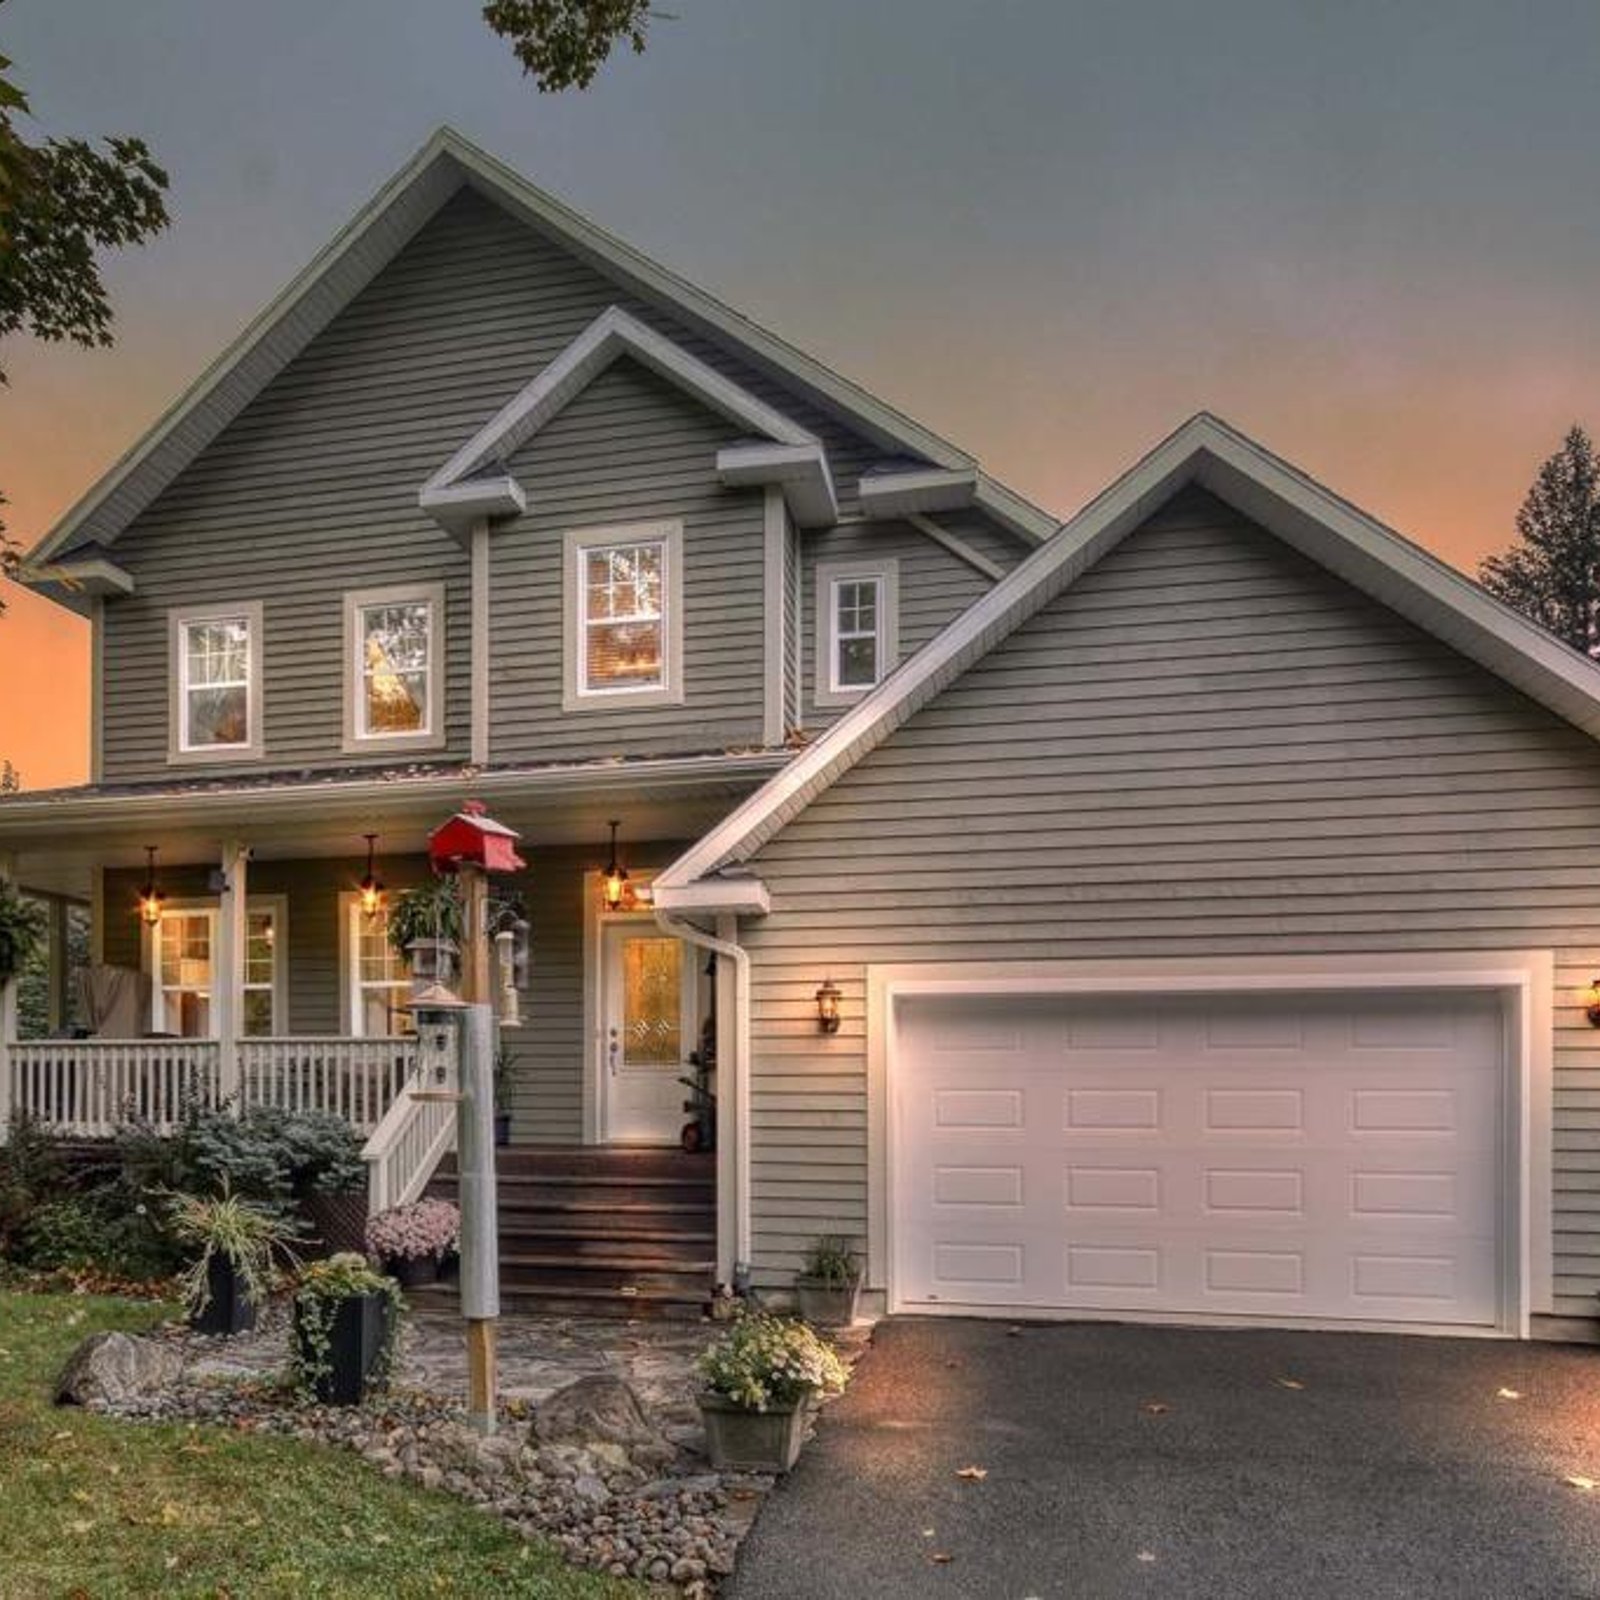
(24, 930)
(429, 910)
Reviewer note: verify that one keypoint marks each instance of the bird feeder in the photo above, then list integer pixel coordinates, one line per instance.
(436, 1013)
(472, 838)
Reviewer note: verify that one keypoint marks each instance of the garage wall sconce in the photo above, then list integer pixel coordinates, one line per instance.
(1591, 1003)
(828, 997)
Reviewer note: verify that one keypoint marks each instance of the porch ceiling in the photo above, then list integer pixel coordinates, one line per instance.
(58, 839)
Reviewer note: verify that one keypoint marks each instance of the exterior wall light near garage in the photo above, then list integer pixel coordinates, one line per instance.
(828, 997)
(1591, 1003)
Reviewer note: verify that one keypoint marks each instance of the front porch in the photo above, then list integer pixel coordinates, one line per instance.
(263, 980)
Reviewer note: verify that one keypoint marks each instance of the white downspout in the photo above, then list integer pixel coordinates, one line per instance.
(740, 957)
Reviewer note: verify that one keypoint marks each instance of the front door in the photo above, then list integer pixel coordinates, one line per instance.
(647, 991)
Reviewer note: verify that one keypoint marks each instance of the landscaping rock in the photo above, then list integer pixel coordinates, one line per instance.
(115, 1368)
(601, 1411)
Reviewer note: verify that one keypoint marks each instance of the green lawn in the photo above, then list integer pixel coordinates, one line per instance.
(95, 1508)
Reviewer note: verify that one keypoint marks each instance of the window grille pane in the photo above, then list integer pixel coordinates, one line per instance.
(623, 621)
(395, 668)
(258, 1013)
(218, 651)
(858, 662)
(219, 716)
(258, 952)
(624, 654)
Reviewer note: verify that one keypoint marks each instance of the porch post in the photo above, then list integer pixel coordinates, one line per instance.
(8, 1018)
(228, 969)
(58, 965)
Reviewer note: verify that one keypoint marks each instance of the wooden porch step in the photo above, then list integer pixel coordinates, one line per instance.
(575, 1301)
(642, 1194)
(618, 1161)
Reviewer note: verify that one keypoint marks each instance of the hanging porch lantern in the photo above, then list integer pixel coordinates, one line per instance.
(371, 887)
(151, 898)
(615, 895)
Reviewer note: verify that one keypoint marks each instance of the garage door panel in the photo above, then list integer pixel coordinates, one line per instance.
(1272, 1157)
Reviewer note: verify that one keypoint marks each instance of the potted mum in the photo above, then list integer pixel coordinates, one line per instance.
(231, 1274)
(411, 1240)
(760, 1379)
(346, 1328)
(828, 1286)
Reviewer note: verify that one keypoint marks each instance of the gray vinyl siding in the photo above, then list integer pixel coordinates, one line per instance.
(1207, 746)
(630, 448)
(935, 588)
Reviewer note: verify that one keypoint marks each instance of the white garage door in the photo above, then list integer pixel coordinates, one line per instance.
(1282, 1157)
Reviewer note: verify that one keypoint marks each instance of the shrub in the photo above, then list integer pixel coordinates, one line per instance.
(24, 929)
(245, 1233)
(409, 1232)
(831, 1262)
(30, 1170)
(100, 1230)
(764, 1361)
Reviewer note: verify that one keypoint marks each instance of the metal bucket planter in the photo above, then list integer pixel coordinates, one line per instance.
(356, 1340)
(228, 1309)
(827, 1304)
(740, 1440)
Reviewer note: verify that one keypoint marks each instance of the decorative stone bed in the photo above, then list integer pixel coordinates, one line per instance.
(600, 1447)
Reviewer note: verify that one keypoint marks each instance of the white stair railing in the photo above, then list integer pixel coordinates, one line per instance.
(406, 1148)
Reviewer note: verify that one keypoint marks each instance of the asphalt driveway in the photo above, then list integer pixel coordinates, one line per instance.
(1125, 1460)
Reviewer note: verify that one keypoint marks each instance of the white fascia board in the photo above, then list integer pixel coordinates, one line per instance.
(1258, 484)
(799, 470)
(457, 507)
(917, 491)
(1016, 515)
(614, 333)
(741, 897)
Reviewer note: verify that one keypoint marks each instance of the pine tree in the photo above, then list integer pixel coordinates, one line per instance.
(1552, 574)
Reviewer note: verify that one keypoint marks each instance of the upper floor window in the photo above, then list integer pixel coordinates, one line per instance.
(858, 641)
(394, 650)
(216, 683)
(622, 598)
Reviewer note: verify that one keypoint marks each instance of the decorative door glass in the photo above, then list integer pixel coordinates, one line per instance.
(652, 1002)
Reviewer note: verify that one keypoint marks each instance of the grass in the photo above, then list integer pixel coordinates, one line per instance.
(97, 1509)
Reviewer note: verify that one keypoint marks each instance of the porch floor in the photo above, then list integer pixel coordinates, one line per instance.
(599, 1231)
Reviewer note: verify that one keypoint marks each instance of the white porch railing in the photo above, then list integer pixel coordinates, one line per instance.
(405, 1148)
(357, 1079)
(89, 1087)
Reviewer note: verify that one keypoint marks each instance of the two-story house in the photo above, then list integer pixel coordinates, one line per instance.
(1188, 911)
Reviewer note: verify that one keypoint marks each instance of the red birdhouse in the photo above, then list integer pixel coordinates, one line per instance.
(473, 838)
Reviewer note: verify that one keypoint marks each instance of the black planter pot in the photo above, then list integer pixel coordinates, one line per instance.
(411, 1272)
(356, 1339)
(502, 1129)
(227, 1310)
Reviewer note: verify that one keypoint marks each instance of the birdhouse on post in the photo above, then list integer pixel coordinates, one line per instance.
(472, 844)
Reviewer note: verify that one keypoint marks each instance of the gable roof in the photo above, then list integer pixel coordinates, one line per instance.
(1277, 496)
(355, 256)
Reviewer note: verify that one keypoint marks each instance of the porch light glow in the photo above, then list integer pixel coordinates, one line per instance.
(371, 887)
(828, 997)
(151, 899)
(614, 890)
(1591, 1003)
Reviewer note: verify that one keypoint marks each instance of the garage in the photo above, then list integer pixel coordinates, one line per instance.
(1325, 1156)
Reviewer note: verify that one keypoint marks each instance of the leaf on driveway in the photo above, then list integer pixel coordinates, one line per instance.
(1013, 1332)
(1146, 1556)
(927, 1533)
(941, 1558)
(1578, 1481)
(976, 1474)
(1508, 1394)
(1288, 1383)
(1155, 1408)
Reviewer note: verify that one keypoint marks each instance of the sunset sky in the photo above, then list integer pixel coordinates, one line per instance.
(1366, 233)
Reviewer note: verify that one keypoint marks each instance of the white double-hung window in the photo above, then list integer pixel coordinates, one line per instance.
(184, 999)
(394, 667)
(858, 639)
(377, 976)
(622, 599)
(216, 683)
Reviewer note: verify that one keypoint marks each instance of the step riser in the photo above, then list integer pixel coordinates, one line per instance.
(539, 1196)
(620, 1163)
(555, 1304)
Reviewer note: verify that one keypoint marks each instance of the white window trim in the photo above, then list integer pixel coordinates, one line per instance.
(351, 1011)
(278, 905)
(829, 575)
(179, 750)
(431, 736)
(575, 544)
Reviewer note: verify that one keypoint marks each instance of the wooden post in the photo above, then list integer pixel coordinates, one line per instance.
(59, 1000)
(480, 1226)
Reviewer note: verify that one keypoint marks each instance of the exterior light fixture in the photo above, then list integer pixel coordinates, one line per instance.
(371, 886)
(151, 899)
(1591, 1003)
(828, 997)
(615, 894)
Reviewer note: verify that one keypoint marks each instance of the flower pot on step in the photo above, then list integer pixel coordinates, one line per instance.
(412, 1272)
(740, 1440)
(228, 1310)
(357, 1334)
(825, 1303)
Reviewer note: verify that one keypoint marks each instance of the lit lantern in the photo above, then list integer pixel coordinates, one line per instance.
(151, 899)
(371, 887)
(615, 894)
(828, 997)
(1591, 1003)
